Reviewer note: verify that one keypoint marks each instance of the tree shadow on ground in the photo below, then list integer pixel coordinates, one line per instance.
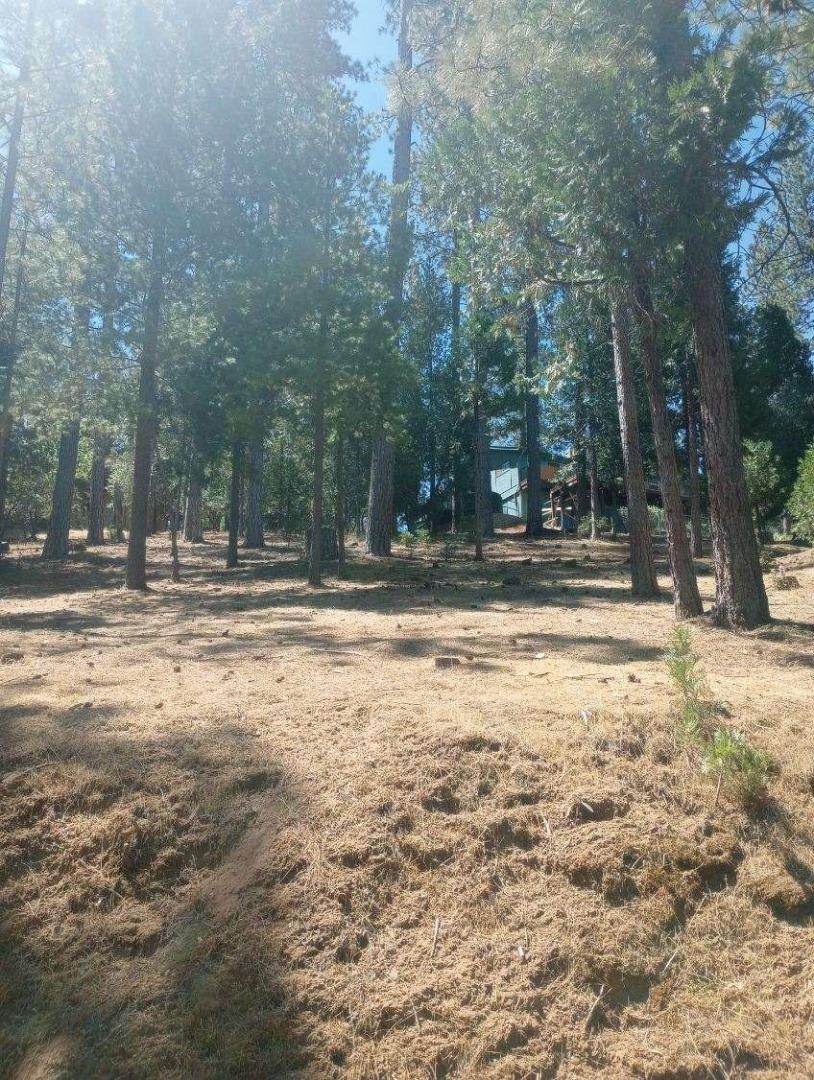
(95, 570)
(108, 957)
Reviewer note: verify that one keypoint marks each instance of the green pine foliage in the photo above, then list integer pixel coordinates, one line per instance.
(801, 503)
(723, 752)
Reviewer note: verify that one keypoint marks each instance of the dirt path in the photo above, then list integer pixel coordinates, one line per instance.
(251, 829)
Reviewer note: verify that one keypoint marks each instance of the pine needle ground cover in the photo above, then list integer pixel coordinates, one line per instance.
(252, 829)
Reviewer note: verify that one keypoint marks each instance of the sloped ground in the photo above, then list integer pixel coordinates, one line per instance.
(250, 829)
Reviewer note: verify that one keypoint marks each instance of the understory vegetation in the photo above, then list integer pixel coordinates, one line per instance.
(723, 751)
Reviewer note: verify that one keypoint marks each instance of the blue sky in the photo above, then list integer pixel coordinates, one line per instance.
(373, 48)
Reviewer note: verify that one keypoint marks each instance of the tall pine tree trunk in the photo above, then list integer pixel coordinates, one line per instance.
(380, 502)
(642, 566)
(339, 507)
(580, 462)
(118, 514)
(457, 497)
(457, 507)
(740, 594)
(193, 513)
(693, 471)
(146, 420)
(59, 523)
(241, 514)
(8, 351)
(255, 537)
(152, 500)
(593, 476)
(12, 155)
(534, 482)
(176, 562)
(478, 455)
(97, 500)
(685, 585)
(590, 450)
(485, 478)
(317, 491)
(234, 504)
(8, 319)
(380, 497)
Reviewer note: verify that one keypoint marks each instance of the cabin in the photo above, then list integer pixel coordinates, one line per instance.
(561, 493)
(509, 469)
(564, 500)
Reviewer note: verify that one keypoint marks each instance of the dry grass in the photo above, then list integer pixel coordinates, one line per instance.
(249, 829)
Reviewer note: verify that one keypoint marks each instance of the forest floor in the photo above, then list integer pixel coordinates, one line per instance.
(252, 829)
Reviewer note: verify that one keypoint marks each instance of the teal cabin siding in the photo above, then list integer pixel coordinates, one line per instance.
(509, 469)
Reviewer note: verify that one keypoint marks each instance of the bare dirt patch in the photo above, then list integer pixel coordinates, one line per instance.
(249, 828)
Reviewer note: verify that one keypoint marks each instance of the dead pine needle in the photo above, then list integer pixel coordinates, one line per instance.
(269, 862)
(435, 933)
(592, 1011)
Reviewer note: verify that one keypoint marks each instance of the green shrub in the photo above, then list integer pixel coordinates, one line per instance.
(801, 503)
(415, 537)
(603, 526)
(730, 756)
(726, 753)
(658, 519)
(761, 468)
(688, 680)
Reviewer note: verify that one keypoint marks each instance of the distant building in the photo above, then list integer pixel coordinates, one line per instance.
(509, 468)
(560, 489)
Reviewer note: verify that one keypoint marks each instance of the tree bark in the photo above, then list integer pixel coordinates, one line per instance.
(58, 537)
(457, 508)
(241, 513)
(118, 514)
(339, 508)
(642, 565)
(234, 504)
(152, 500)
(478, 449)
(318, 489)
(534, 482)
(8, 345)
(685, 585)
(593, 474)
(8, 326)
(693, 471)
(740, 594)
(97, 502)
(399, 235)
(146, 420)
(13, 151)
(380, 502)
(380, 497)
(255, 537)
(485, 479)
(176, 562)
(193, 514)
(580, 463)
